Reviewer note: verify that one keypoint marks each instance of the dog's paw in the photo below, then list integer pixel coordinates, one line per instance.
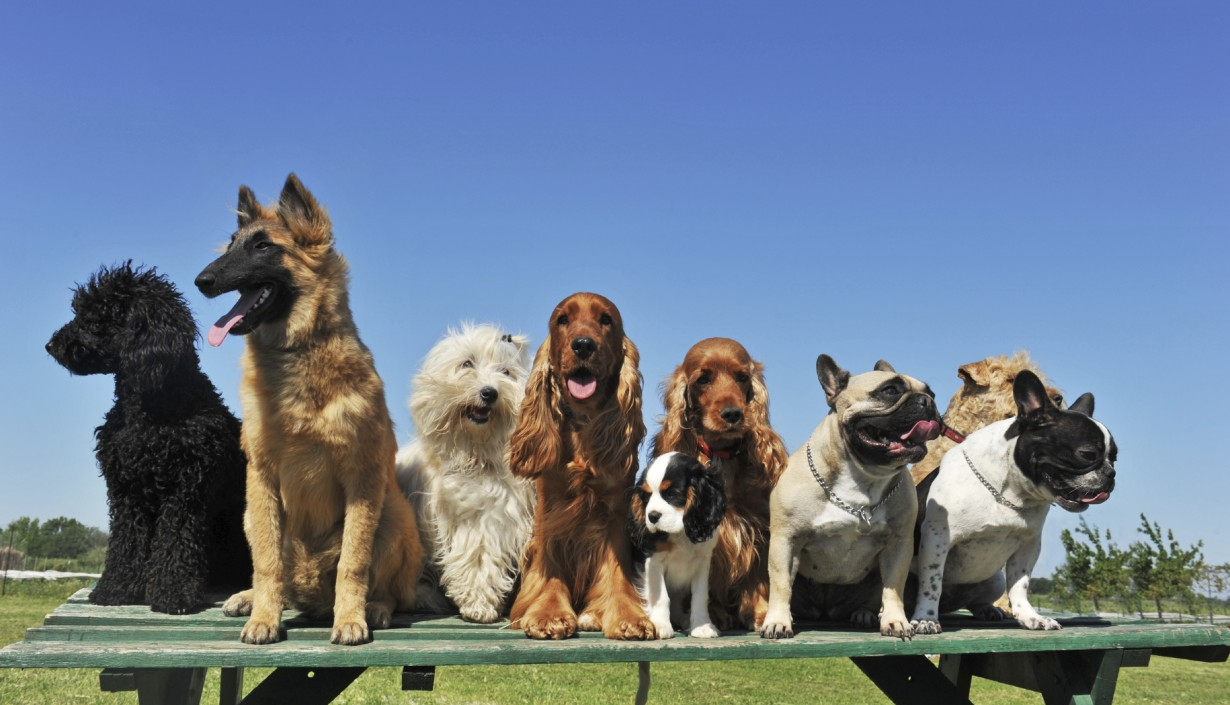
(665, 629)
(480, 614)
(989, 613)
(379, 615)
(705, 631)
(774, 629)
(897, 628)
(350, 633)
(238, 605)
(926, 626)
(636, 629)
(560, 626)
(863, 618)
(1038, 623)
(257, 632)
(588, 622)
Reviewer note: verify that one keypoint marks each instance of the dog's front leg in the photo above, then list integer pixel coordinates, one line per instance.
(657, 597)
(543, 608)
(123, 577)
(1020, 567)
(262, 521)
(364, 500)
(894, 568)
(701, 625)
(176, 586)
(612, 599)
(932, 553)
(783, 567)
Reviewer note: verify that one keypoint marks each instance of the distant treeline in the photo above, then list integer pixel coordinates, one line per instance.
(56, 544)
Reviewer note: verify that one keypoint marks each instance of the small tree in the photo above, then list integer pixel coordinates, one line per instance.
(61, 537)
(1093, 569)
(1215, 579)
(1162, 568)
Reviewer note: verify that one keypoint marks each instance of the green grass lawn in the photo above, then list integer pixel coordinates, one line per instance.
(699, 683)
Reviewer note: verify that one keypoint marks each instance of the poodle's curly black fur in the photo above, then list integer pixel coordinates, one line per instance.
(169, 448)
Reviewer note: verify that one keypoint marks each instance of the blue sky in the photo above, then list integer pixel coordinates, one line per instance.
(930, 184)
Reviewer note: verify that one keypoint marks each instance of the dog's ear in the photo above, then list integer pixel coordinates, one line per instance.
(677, 417)
(636, 523)
(306, 219)
(522, 342)
(160, 338)
(832, 378)
(1083, 405)
(628, 397)
(708, 505)
(249, 209)
(1033, 405)
(975, 374)
(883, 366)
(767, 449)
(537, 442)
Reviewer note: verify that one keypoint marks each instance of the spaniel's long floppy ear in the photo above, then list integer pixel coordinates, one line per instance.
(708, 505)
(536, 442)
(767, 448)
(628, 397)
(677, 432)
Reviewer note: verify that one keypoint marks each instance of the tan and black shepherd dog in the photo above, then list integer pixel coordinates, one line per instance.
(329, 530)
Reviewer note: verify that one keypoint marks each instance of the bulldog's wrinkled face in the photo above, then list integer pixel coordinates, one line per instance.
(886, 418)
(1065, 451)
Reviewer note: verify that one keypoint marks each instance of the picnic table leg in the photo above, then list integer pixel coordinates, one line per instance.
(303, 686)
(642, 682)
(1062, 677)
(910, 680)
(230, 692)
(156, 686)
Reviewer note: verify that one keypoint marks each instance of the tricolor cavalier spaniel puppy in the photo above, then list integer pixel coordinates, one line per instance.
(717, 411)
(577, 435)
(676, 508)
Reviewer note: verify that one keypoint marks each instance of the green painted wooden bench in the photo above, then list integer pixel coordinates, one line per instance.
(164, 657)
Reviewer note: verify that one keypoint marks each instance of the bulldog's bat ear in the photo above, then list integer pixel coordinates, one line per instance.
(249, 209)
(832, 378)
(975, 374)
(883, 366)
(1083, 405)
(1030, 395)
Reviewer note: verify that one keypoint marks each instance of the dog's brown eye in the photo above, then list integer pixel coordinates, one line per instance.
(262, 245)
(890, 390)
(468, 364)
(562, 320)
(741, 377)
(704, 378)
(1058, 399)
(507, 372)
(605, 319)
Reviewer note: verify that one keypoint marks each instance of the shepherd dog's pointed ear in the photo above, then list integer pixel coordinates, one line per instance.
(249, 209)
(306, 219)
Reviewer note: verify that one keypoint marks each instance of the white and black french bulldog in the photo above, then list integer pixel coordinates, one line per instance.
(984, 514)
(842, 513)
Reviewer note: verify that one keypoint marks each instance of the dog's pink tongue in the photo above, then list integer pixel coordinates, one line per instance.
(582, 389)
(218, 332)
(1097, 499)
(922, 432)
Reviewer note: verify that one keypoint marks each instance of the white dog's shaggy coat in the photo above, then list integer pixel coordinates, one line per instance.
(474, 516)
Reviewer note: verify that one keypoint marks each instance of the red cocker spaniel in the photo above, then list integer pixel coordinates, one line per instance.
(577, 434)
(717, 409)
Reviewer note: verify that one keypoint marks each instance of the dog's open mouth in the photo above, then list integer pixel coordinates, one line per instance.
(895, 443)
(250, 301)
(1081, 502)
(581, 384)
(478, 414)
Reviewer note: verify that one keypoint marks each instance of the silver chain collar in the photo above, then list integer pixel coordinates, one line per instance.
(863, 513)
(994, 492)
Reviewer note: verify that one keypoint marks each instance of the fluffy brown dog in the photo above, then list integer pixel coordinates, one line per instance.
(577, 434)
(717, 410)
(328, 527)
(985, 397)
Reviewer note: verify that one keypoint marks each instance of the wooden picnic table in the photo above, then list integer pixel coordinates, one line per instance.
(164, 657)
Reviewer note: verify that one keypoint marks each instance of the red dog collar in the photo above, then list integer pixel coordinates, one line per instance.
(951, 434)
(704, 448)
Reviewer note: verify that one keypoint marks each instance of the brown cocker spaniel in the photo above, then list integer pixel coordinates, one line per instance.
(577, 434)
(717, 409)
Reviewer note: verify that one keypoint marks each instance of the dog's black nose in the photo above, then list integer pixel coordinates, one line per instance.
(488, 395)
(47, 347)
(732, 414)
(205, 280)
(584, 347)
(653, 517)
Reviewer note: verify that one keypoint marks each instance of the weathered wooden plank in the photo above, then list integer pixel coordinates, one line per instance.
(399, 648)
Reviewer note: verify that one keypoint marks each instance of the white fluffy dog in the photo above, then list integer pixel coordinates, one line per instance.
(474, 516)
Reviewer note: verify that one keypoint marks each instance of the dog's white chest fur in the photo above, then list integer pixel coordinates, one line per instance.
(841, 549)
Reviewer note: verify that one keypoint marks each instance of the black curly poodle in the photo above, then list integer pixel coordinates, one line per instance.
(169, 448)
